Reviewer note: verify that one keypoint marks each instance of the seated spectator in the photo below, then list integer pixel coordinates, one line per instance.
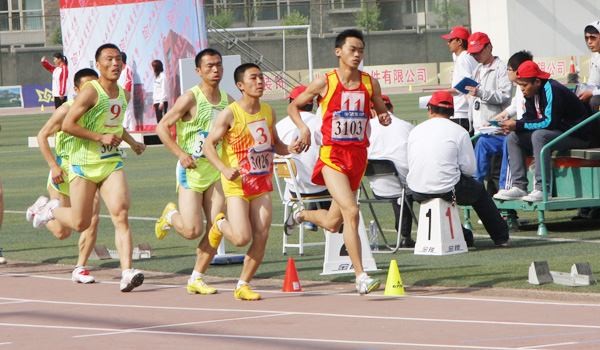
(441, 164)
(389, 143)
(550, 109)
(305, 161)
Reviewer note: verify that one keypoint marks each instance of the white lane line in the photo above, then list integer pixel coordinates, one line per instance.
(560, 344)
(178, 324)
(315, 314)
(342, 294)
(288, 339)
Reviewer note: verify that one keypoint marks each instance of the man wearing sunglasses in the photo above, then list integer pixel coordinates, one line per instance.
(592, 40)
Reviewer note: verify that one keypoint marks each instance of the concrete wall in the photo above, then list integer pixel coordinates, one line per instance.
(544, 27)
(389, 47)
(394, 47)
(23, 67)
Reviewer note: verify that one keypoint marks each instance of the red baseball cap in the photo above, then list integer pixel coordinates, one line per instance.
(442, 99)
(530, 69)
(457, 32)
(297, 91)
(385, 99)
(477, 41)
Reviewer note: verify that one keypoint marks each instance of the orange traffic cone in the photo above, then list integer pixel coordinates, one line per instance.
(572, 68)
(291, 282)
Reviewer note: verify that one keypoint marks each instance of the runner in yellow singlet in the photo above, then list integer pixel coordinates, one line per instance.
(95, 119)
(246, 164)
(58, 179)
(198, 182)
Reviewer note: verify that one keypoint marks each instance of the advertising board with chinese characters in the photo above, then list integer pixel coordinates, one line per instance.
(145, 30)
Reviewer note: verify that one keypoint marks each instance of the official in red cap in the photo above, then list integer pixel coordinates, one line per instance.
(442, 99)
(441, 164)
(457, 32)
(464, 65)
(296, 92)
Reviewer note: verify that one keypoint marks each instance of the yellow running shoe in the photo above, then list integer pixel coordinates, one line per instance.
(162, 226)
(244, 293)
(199, 287)
(215, 235)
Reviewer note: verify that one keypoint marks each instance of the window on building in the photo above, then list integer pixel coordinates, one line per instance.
(18, 15)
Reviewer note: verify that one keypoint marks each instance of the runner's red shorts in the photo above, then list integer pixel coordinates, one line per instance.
(349, 160)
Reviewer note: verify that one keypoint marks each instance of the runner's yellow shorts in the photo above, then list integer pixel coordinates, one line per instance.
(95, 172)
(62, 188)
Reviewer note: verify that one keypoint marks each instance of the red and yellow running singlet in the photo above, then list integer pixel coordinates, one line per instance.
(346, 113)
(249, 146)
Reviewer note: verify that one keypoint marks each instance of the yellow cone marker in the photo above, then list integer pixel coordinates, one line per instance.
(393, 286)
(410, 88)
(42, 108)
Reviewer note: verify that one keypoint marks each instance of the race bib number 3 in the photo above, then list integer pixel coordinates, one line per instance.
(348, 126)
(199, 144)
(260, 162)
(115, 110)
(261, 134)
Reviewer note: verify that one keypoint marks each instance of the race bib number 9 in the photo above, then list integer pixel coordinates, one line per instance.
(348, 126)
(260, 162)
(115, 110)
(261, 134)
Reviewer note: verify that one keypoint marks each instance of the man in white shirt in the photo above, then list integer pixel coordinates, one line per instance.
(464, 65)
(126, 82)
(389, 143)
(592, 40)
(305, 161)
(441, 164)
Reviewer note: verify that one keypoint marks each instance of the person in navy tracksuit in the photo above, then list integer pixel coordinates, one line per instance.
(550, 109)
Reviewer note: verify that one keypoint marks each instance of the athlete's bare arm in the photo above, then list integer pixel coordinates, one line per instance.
(317, 87)
(86, 100)
(52, 126)
(281, 148)
(384, 117)
(183, 106)
(137, 147)
(223, 123)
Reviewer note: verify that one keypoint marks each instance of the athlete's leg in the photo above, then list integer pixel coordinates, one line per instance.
(79, 216)
(238, 212)
(87, 239)
(213, 204)
(115, 193)
(56, 228)
(189, 221)
(345, 199)
(261, 215)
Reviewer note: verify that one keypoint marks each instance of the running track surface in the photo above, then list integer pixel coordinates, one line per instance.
(40, 308)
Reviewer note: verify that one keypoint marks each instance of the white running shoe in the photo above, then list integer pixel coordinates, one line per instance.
(291, 222)
(535, 196)
(513, 193)
(81, 275)
(40, 202)
(44, 214)
(366, 284)
(131, 279)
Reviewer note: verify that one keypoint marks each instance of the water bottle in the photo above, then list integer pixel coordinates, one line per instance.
(373, 240)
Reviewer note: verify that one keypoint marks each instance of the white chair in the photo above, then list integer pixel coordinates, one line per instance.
(381, 167)
(285, 168)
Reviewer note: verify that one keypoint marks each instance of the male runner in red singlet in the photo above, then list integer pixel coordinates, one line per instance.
(345, 95)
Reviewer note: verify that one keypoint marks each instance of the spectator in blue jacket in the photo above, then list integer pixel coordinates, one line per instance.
(550, 109)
